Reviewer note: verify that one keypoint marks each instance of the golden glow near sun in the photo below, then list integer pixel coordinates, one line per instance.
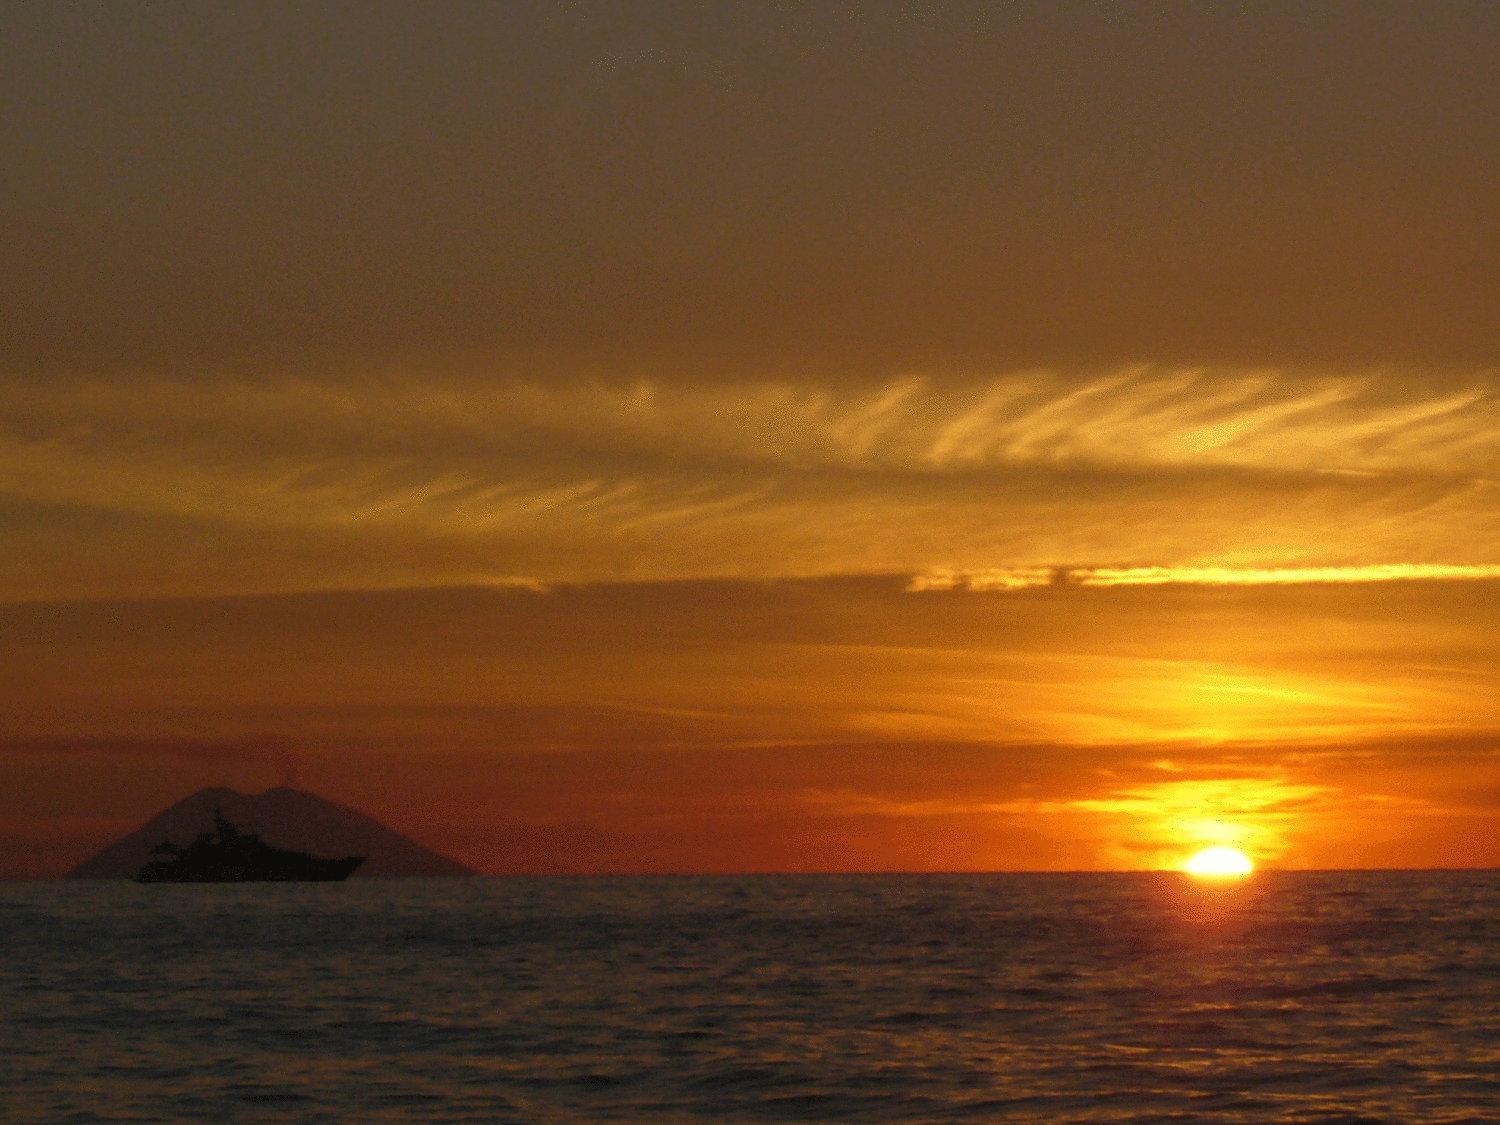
(1219, 863)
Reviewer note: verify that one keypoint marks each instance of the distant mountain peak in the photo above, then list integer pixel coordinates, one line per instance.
(284, 817)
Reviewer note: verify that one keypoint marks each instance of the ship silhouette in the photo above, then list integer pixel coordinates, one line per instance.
(228, 855)
(282, 817)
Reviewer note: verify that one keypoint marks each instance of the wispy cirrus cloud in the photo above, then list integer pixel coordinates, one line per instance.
(392, 478)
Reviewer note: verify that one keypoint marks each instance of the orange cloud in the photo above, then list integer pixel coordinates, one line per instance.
(703, 725)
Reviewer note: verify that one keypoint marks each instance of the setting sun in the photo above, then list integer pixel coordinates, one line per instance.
(1219, 863)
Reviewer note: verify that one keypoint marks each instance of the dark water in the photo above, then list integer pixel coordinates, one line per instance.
(1051, 997)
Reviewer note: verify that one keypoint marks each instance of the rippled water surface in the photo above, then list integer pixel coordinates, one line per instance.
(1072, 997)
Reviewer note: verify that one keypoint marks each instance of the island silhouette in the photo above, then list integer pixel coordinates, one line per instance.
(284, 818)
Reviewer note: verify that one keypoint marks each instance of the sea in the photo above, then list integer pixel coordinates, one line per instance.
(1292, 996)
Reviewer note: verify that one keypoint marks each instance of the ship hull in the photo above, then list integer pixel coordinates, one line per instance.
(300, 870)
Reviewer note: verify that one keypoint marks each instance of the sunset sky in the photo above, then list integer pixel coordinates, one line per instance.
(693, 437)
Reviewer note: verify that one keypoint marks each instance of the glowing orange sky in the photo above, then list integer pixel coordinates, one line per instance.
(728, 438)
(804, 724)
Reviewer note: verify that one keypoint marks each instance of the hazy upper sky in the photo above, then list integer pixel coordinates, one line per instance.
(744, 436)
